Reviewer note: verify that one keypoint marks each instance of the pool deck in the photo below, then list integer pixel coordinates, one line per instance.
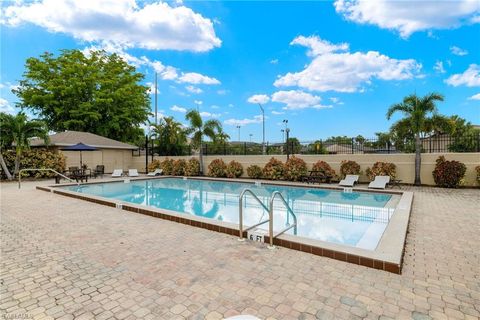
(64, 258)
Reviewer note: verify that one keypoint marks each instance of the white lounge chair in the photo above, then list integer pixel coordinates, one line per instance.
(157, 172)
(132, 173)
(117, 173)
(380, 182)
(349, 181)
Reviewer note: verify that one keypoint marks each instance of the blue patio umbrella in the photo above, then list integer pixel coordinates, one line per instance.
(80, 147)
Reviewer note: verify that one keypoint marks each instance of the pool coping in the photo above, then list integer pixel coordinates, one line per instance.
(387, 256)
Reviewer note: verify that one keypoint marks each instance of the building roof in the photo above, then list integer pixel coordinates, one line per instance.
(69, 138)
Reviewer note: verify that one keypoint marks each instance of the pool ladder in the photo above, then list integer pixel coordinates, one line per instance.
(269, 209)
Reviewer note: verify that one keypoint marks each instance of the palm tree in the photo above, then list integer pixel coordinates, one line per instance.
(417, 111)
(198, 129)
(171, 135)
(19, 130)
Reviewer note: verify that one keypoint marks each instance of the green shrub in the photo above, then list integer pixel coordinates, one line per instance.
(324, 168)
(234, 169)
(167, 166)
(254, 171)
(35, 158)
(192, 167)
(448, 174)
(274, 169)
(382, 169)
(217, 168)
(179, 167)
(349, 167)
(477, 169)
(155, 164)
(295, 168)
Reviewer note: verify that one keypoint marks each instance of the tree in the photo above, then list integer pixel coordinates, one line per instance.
(99, 93)
(198, 129)
(417, 111)
(170, 136)
(18, 130)
(293, 145)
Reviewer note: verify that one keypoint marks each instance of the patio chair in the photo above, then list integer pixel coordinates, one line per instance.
(349, 181)
(380, 182)
(117, 173)
(99, 171)
(132, 173)
(157, 172)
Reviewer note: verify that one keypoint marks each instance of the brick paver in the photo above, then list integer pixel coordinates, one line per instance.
(63, 258)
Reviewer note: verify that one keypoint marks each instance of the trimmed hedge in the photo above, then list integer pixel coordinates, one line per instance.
(274, 169)
(349, 167)
(234, 169)
(217, 168)
(448, 174)
(324, 168)
(254, 172)
(382, 169)
(295, 168)
(192, 167)
(179, 167)
(35, 158)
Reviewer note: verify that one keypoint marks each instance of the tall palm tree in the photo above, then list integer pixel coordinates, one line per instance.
(198, 129)
(19, 130)
(417, 111)
(170, 134)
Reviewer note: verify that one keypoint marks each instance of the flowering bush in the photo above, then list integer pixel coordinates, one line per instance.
(155, 164)
(324, 168)
(179, 167)
(192, 167)
(234, 169)
(448, 174)
(295, 168)
(349, 167)
(274, 169)
(382, 169)
(167, 166)
(217, 168)
(35, 158)
(254, 171)
(477, 168)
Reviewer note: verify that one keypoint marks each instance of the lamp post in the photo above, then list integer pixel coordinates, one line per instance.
(288, 152)
(238, 127)
(263, 127)
(250, 137)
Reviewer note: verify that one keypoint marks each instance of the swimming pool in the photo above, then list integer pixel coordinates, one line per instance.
(356, 219)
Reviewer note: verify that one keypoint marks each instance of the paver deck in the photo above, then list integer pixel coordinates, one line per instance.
(63, 258)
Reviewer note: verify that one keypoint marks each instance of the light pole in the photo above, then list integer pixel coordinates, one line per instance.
(238, 127)
(283, 135)
(263, 127)
(156, 106)
(288, 132)
(250, 137)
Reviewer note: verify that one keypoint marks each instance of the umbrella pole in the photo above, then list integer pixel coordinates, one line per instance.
(80, 159)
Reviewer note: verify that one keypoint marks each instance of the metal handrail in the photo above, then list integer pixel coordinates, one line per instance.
(289, 211)
(240, 212)
(48, 169)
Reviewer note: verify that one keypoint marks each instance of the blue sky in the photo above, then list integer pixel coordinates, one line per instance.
(329, 67)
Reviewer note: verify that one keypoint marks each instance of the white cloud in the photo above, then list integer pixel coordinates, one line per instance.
(469, 78)
(408, 17)
(194, 89)
(206, 114)
(277, 112)
(475, 97)
(222, 92)
(6, 107)
(334, 68)
(243, 122)
(178, 109)
(197, 78)
(458, 51)
(295, 99)
(259, 98)
(274, 61)
(438, 67)
(198, 102)
(214, 107)
(156, 25)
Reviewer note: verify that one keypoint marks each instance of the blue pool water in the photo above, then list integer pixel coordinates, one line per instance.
(356, 219)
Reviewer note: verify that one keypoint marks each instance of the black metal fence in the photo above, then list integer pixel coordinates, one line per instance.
(431, 144)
